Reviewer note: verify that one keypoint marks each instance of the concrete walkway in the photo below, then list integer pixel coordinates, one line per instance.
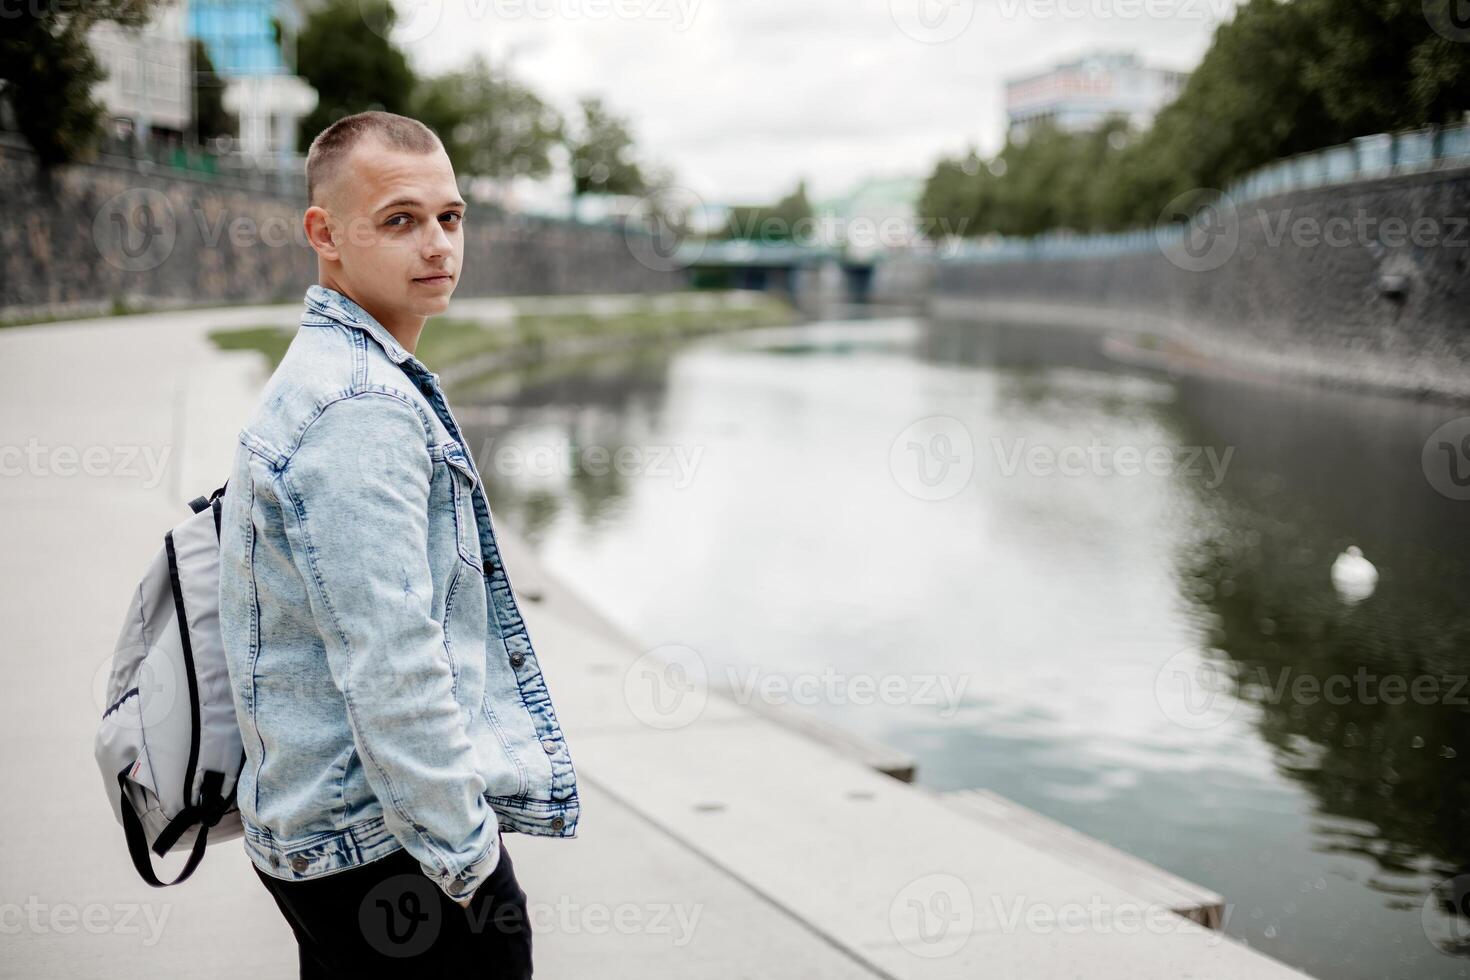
(728, 846)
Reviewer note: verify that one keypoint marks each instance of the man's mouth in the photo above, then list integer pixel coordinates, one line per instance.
(436, 279)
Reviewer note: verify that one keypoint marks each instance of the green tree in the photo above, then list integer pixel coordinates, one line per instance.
(1281, 77)
(48, 71)
(777, 222)
(1247, 104)
(1382, 66)
(211, 118)
(491, 125)
(601, 151)
(954, 196)
(353, 66)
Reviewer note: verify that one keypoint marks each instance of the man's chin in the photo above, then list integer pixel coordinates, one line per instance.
(432, 305)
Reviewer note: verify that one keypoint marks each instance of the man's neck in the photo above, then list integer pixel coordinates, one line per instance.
(405, 329)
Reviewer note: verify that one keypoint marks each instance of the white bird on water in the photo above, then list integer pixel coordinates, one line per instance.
(1354, 576)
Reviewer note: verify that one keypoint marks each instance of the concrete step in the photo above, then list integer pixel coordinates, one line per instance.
(908, 882)
(1134, 874)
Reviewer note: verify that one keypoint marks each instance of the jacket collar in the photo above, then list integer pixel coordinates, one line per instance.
(337, 306)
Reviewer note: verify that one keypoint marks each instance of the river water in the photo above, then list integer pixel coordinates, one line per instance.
(1102, 591)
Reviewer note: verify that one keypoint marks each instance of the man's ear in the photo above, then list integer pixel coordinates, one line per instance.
(318, 224)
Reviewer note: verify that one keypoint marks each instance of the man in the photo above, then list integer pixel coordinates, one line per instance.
(394, 715)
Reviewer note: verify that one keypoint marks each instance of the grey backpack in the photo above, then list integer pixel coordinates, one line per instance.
(169, 744)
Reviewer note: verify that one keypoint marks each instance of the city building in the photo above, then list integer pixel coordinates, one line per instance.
(147, 93)
(262, 88)
(1078, 95)
(877, 214)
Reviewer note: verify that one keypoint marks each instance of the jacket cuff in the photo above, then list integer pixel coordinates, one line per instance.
(461, 886)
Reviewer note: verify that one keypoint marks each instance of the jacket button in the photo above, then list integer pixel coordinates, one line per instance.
(299, 863)
(557, 823)
(489, 567)
(517, 659)
(549, 744)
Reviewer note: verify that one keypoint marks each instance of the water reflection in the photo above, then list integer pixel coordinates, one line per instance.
(1366, 703)
(782, 540)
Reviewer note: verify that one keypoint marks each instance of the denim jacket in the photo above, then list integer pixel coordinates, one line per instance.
(387, 690)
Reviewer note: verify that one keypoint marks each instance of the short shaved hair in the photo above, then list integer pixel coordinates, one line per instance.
(332, 146)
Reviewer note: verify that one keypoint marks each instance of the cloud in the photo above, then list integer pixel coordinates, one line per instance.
(743, 97)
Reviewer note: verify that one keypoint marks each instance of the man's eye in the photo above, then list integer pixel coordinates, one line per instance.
(394, 220)
(455, 217)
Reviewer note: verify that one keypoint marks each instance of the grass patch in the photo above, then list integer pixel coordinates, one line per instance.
(447, 341)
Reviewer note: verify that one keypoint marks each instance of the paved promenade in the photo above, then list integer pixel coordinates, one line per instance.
(730, 846)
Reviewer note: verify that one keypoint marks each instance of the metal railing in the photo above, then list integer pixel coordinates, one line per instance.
(1365, 158)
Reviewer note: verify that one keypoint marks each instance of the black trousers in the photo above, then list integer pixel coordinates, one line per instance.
(388, 915)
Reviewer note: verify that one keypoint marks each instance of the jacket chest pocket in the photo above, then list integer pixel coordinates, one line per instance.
(466, 526)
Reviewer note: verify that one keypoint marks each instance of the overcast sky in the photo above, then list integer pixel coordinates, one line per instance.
(741, 98)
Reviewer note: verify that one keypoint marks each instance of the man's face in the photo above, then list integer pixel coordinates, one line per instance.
(396, 223)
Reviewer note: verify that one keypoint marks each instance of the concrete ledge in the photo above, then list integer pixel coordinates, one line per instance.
(1134, 874)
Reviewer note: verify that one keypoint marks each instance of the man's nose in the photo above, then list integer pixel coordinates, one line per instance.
(436, 243)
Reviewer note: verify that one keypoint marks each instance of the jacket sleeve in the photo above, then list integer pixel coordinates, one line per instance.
(355, 495)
